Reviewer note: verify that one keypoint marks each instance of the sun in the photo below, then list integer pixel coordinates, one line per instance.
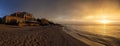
(104, 21)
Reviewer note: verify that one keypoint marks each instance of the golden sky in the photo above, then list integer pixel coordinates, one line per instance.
(65, 10)
(93, 10)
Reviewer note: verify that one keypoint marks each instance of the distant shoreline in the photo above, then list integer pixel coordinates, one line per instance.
(93, 24)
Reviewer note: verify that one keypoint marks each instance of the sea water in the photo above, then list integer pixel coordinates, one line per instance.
(109, 35)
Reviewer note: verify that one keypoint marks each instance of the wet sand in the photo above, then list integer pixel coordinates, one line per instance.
(36, 36)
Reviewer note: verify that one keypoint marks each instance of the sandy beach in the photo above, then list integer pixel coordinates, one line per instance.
(36, 36)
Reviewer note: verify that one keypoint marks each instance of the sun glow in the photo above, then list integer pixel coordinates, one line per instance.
(105, 21)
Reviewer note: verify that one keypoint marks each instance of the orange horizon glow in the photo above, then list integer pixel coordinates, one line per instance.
(100, 18)
(105, 21)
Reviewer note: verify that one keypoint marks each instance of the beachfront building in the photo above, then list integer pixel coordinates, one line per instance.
(18, 17)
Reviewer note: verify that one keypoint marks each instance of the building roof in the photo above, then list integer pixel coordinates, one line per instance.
(22, 14)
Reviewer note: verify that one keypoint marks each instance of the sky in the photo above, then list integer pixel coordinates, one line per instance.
(65, 10)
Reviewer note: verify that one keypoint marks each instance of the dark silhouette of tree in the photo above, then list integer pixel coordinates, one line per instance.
(44, 22)
(1, 20)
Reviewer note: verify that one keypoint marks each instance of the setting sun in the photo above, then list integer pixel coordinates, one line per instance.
(104, 21)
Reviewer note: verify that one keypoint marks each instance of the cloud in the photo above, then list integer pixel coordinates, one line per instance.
(65, 9)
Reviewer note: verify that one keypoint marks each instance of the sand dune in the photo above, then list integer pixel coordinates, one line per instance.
(36, 36)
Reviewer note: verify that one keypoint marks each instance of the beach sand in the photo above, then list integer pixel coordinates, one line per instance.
(36, 36)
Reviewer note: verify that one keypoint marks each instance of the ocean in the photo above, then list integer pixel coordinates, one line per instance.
(95, 35)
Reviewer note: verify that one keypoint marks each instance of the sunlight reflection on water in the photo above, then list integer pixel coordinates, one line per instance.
(106, 30)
